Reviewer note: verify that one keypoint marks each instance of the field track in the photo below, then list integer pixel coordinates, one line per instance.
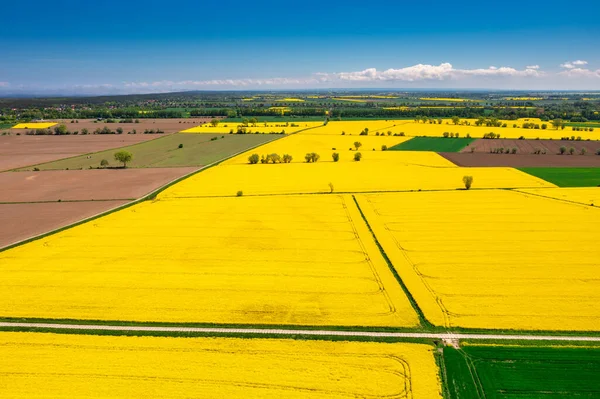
(286, 332)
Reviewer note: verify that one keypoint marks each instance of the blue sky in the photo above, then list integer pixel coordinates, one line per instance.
(146, 46)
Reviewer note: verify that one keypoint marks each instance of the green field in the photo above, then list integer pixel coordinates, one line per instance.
(437, 144)
(198, 150)
(583, 124)
(495, 372)
(567, 177)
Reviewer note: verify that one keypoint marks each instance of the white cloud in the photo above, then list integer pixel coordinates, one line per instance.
(444, 71)
(581, 73)
(573, 64)
(4, 84)
(532, 67)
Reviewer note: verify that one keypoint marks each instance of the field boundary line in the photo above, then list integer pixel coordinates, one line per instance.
(149, 196)
(295, 332)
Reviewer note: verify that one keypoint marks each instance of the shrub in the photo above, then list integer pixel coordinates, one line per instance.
(253, 159)
(598, 151)
(343, 133)
(522, 138)
(514, 150)
(384, 147)
(544, 151)
(562, 150)
(472, 150)
(239, 193)
(357, 156)
(36, 169)
(180, 146)
(402, 134)
(274, 158)
(335, 156)
(468, 181)
(571, 150)
(312, 157)
(287, 158)
(357, 144)
(583, 151)
(446, 134)
(104, 163)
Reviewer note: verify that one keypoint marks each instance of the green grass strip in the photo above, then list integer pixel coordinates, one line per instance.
(567, 177)
(436, 144)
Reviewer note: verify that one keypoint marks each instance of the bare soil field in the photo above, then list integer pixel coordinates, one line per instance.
(85, 185)
(21, 151)
(166, 125)
(520, 160)
(525, 156)
(21, 221)
(529, 146)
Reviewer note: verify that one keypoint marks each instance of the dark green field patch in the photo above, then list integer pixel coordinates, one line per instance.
(567, 177)
(436, 144)
(496, 372)
(197, 150)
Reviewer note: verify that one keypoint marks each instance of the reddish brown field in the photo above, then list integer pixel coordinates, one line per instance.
(525, 156)
(85, 185)
(21, 221)
(520, 160)
(166, 125)
(21, 151)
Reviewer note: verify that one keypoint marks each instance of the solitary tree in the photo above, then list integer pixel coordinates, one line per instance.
(468, 181)
(123, 156)
(214, 122)
(357, 156)
(357, 144)
(335, 156)
(455, 120)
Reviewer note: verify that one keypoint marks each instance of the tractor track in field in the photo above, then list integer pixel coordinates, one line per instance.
(448, 336)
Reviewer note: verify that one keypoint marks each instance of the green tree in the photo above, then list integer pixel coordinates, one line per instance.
(215, 122)
(357, 145)
(357, 156)
(60, 129)
(455, 120)
(124, 157)
(335, 156)
(104, 163)
(557, 123)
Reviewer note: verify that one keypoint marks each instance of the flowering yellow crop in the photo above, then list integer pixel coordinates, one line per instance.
(261, 127)
(307, 260)
(377, 171)
(491, 258)
(411, 128)
(582, 195)
(298, 145)
(290, 100)
(53, 365)
(34, 125)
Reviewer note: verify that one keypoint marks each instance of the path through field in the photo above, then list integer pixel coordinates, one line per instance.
(295, 332)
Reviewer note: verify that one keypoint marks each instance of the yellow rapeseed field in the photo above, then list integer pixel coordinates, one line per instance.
(301, 260)
(377, 171)
(298, 145)
(492, 258)
(582, 195)
(64, 366)
(412, 128)
(457, 100)
(261, 127)
(34, 125)
(291, 100)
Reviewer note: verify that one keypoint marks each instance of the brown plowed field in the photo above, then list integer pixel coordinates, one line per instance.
(21, 151)
(166, 125)
(521, 160)
(21, 221)
(85, 185)
(524, 156)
